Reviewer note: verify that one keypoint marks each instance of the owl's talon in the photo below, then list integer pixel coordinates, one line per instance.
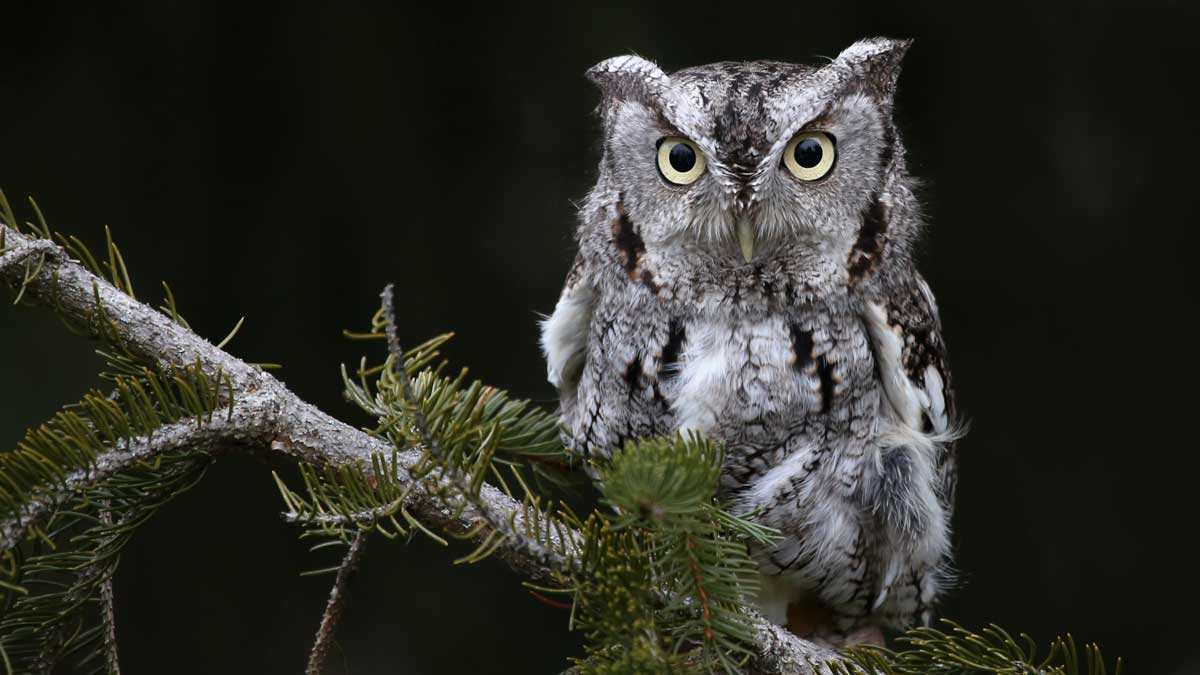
(809, 618)
(812, 620)
(864, 635)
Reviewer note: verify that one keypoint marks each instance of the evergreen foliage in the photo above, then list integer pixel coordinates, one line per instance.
(475, 432)
(666, 574)
(53, 608)
(959, 651)
(658, 573)
(75, 489)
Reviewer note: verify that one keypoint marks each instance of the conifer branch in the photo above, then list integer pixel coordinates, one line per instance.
(281, 422)
(269, 416)
(499, 521)
(221, 435)
(335, 605)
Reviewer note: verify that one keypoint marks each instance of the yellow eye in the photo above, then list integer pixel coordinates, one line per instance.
(679, 161)
(810, 155)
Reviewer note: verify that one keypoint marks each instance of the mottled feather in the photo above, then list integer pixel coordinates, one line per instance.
(818, 361)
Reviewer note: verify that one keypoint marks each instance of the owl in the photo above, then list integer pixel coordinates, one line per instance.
(745, 270)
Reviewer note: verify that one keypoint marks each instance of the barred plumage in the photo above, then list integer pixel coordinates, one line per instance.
(754, 281)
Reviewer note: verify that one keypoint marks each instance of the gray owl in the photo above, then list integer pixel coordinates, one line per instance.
(745, 271)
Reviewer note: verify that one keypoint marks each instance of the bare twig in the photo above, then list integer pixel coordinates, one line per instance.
(335, 605)
(269, 416)
(397, 353)
(110, 616)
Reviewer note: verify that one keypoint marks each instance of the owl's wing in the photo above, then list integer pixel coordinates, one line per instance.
(565, 332)
(906, 334)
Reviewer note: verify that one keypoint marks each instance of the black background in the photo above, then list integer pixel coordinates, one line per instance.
(285, 162)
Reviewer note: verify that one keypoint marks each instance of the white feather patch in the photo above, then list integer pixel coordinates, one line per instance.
(936, 389)
(764, 491)
(706, 370)
(905, 399)
(564, 335)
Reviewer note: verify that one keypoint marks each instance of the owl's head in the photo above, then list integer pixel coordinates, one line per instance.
(741, 161)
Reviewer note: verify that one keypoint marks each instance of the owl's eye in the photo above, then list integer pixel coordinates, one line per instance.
(680, 161)
(810, 155)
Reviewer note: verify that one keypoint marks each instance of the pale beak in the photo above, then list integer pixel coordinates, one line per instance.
(746, 237)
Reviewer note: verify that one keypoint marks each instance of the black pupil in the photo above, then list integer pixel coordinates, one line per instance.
(682, 157)
(808, 153)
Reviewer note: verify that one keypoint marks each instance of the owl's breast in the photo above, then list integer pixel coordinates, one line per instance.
(776, 382)
(731, 374)
(763, 381)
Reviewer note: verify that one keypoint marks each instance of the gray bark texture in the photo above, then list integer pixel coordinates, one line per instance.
(270, 417)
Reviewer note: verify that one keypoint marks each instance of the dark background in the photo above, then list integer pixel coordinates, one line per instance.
(285, 162)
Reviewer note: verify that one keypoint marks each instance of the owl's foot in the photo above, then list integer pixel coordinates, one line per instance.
(863, 635)
(807, 617)
(813, 621)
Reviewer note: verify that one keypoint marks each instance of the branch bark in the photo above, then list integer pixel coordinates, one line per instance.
(108, 607)
(269, 416)
(335, 605)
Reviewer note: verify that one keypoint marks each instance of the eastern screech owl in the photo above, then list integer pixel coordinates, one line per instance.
(745, 270)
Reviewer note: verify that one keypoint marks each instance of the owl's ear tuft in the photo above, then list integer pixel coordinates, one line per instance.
(876, 63)
(628, 78)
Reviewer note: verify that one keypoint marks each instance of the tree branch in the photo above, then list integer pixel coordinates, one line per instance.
(497, 520)
(245, 429)
(335, 605)
(11, 259)
(107, 606)
(270, 416)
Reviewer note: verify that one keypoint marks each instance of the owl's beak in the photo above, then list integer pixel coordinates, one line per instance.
(746, 237)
